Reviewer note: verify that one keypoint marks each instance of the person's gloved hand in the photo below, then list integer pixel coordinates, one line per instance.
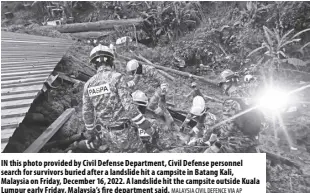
(192, 142)
(195, 130)
(164, 88)
(131, 83)
(93, 134)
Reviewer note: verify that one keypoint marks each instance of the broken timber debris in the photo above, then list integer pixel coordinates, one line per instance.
(91, 34)
(36, 146)
(212, 82)
(83, 76)
(63, 76)
(95, 26)
(162, 72)
(150, 63)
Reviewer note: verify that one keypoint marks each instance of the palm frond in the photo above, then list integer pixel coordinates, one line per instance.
(256, 50)
(289, 42)
(301, 32)
(286, 35)
(267, 31)
(296, 62)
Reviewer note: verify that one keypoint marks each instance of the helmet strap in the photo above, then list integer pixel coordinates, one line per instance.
(227, 89)
(142, 109)
(139, 69)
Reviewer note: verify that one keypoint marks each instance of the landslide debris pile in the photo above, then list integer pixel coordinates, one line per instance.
(224, 38)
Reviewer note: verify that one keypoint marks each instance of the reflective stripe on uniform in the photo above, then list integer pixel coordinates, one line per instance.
(158, 110)
(137, 117)
(87, 145)
(141, 121)
(92, 145)
(89, 127)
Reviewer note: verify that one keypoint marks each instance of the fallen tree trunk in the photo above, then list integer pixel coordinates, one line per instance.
(212, 82)
(150, 63)
(91, 34)
(213, 99)
(95, 26)
(163, 73)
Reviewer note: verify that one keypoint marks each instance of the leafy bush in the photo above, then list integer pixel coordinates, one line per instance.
(274, 47)
(168, 21)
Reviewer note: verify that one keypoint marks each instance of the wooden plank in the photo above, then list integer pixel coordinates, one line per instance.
(39, 55)
(49, 132)
(29, 65)
(7, 133)
(23, 95)
(44, 75)
(14, 121)
(16, 111)
(21, 89)
(94, 26)
(30, 42)
(5, 60)
(16, 102)
(3, 145)
(31, 62)
(27, 69)
(22, 84)
(27, 73)
(26, 50)
(16, 35)
(38, 79)
(15, 47)
(62, 75)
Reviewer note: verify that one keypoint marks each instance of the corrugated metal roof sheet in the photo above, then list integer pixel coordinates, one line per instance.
(26, 62)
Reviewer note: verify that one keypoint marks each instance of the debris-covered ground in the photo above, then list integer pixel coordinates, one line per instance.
(289, 173)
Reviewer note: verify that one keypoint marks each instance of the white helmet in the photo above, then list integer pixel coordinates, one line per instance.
(123, 40)
(198, 107)
(132, 65)
(248, 78)
(101, 50)
(139, 98)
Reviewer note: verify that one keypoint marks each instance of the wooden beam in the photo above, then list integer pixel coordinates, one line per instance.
(26, 73)
(16, 102)
(20, 96)
(14, 121)
(163, 72)
(91, 34)
(36, 146)
(145, 63)
(63, 76)
(95, 26)
(21, 89)
(15, 111)
(212, 82)
(23, 80)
